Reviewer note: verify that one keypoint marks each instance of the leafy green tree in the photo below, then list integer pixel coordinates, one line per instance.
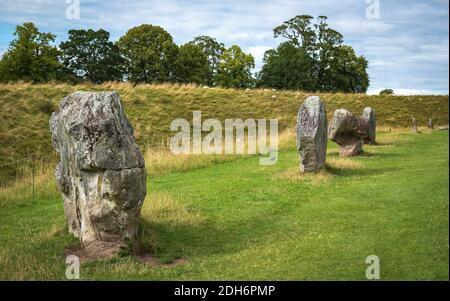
(191, 65)
(346, 72)
(89, 55)
(326, 48)
(387, 92)
(331, 66)
(298, 30)
(235, 68)
(287, 67)
(213, 51)
(150, 54)
(30, 56)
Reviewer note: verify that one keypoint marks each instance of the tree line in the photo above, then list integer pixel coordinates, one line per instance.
(312, 57)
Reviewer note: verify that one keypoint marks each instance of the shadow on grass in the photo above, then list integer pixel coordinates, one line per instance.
(384, 143)
(364, 153)
(205, 239)
(357, 172)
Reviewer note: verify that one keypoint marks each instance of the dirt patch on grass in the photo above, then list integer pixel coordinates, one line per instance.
(95, 250)
(110, 250)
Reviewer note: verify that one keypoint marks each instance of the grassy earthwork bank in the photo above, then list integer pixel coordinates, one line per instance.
(25, 110)
(230, 218)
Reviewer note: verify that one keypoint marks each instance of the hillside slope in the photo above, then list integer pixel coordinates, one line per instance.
(25, 110)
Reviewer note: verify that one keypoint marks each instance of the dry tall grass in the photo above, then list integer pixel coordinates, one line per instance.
(158, 161)
(161, 160)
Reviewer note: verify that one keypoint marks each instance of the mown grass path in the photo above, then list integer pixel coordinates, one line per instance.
(240, 220)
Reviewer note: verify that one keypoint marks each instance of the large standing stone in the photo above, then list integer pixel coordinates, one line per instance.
(348, 131)
(371, 125)
(312, 134)
(101, 172)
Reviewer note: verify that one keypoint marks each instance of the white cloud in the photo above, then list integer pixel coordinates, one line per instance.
(258, 54)
(407, 47)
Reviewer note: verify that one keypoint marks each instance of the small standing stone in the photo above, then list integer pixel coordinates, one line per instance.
(312, 134)
(430, 124)
(414, 126)
(371, 125)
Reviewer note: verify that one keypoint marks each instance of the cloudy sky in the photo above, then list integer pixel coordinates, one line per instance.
(405, 41)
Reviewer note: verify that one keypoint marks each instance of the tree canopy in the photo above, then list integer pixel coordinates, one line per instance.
(30, 56)
(150, 54)
(191, 65)
(89, 55)
(213, 51)
(387, 92)
(312, 57)
(235, 68)
(288, 67)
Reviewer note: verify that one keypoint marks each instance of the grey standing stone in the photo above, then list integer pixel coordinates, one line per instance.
(414, 126)
(371, 125)
(101, 172)
(312, 134)
(430, 124)
(348, 131)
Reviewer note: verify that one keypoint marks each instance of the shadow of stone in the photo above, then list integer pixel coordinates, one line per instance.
(383, 144)
(333, 153)
(175, 242)
(362, 154)
(365, 153)
(358, 171)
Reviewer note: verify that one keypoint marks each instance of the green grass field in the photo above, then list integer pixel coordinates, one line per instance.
(235, 219)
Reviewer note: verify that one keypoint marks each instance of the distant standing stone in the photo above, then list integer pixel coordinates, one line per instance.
(414, 126)
(430, 124)
(101, 172)
(312, 134)
(348, 131)
(371, 125)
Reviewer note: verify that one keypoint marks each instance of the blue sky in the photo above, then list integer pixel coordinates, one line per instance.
(407, 46)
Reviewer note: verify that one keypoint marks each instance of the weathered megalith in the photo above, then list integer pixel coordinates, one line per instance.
(414, 126)
(101, 172)
(430, 124)
(348, 131)
(371, 125)
(312, 134)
